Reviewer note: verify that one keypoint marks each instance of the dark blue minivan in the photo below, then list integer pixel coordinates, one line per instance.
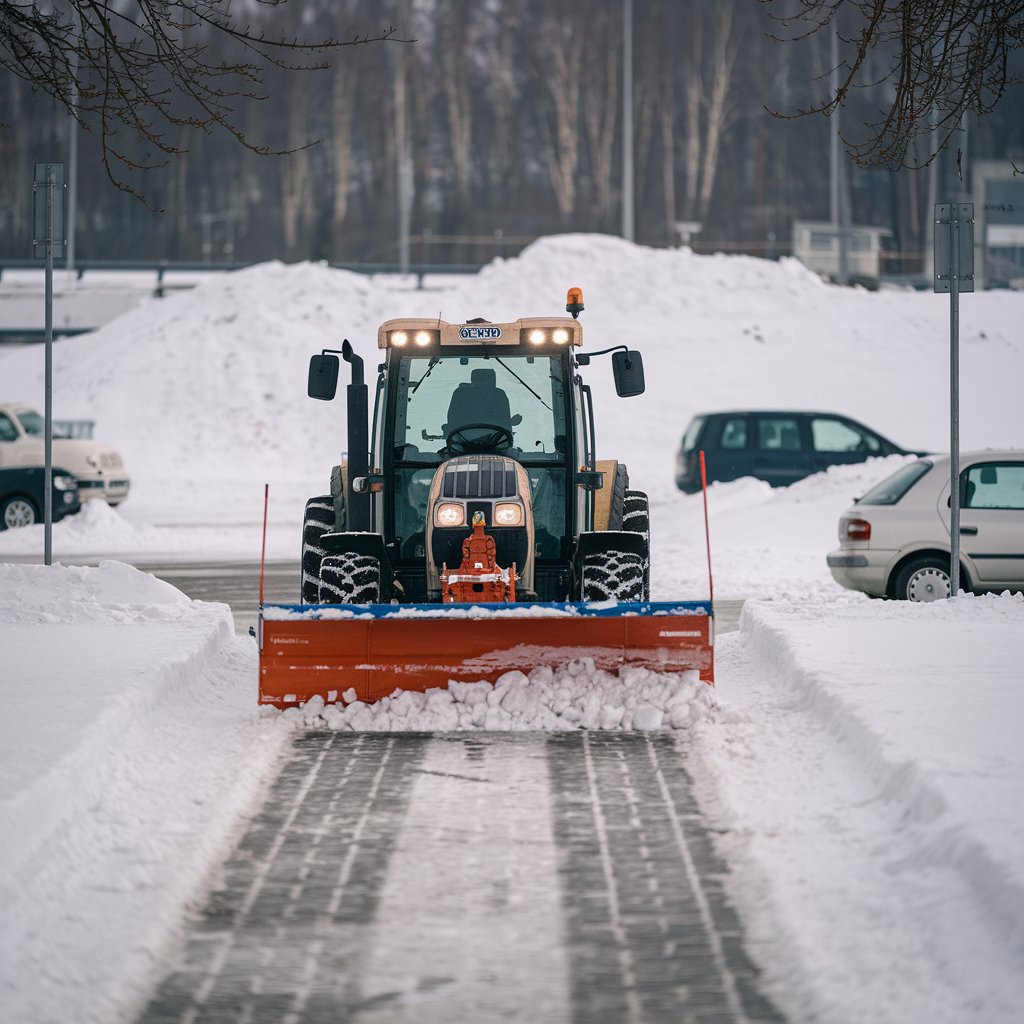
(779, 447)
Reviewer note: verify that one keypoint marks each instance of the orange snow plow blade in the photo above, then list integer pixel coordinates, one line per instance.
(311, 651)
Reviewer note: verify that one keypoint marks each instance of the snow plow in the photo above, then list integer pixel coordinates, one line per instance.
(461, 539)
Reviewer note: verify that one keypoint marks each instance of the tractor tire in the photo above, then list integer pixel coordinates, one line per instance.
(636, 518)
(614, 576)
(616, 507)
(338, 498)
(317, 520)
(350, 579)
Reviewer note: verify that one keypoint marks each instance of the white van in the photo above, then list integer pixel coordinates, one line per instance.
(97, 467)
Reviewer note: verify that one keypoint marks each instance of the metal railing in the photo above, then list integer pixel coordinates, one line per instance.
(161, 268)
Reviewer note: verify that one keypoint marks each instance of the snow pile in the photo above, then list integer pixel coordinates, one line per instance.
(97, 528)
(35, 594)
(210, 384)
(576, 696)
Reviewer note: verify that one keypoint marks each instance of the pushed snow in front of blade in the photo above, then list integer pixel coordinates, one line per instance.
(575, 696)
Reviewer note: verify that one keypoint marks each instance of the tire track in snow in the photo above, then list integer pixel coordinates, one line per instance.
(462, 878)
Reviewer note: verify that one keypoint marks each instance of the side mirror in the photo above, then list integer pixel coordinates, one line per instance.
(323, 377)
(628, 371)
(516, 420)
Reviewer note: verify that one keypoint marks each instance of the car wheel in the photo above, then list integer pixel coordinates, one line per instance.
(350, 579)
(16, 512)
(923, 579)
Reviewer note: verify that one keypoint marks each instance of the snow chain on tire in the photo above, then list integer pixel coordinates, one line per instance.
(636, 518)
(613, 576)
(350, 579)
(317, 520)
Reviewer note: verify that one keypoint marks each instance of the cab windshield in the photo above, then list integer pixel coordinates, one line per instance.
(520, 395)
(518, 402)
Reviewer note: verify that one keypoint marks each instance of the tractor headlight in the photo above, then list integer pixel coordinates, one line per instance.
(537, 337)
(450, 513)
(399, 339)
(560, 336)
(508, 513)
(425, 338)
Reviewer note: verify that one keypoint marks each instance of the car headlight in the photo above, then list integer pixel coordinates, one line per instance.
(64, 483)
(450, 513)
(93, 460)
(508, 513)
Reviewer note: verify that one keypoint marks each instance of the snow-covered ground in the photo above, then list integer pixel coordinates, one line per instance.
(863, 760)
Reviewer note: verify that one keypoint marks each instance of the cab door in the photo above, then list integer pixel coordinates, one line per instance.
(992, 521)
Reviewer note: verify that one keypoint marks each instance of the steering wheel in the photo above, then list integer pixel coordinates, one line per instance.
(496, 439)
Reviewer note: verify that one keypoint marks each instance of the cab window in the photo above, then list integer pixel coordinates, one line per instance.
(8, 432)
(522, 394)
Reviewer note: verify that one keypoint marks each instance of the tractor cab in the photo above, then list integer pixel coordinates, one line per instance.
(478, 419)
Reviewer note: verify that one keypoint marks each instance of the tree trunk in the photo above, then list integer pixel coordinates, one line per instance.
(723, 60)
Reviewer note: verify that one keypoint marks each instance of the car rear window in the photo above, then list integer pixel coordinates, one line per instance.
(692, 431)
(890, 490)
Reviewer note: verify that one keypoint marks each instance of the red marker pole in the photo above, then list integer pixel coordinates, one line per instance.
(707, 531)
(263, 552)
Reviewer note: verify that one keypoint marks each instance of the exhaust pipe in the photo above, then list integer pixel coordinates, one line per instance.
(357, 505)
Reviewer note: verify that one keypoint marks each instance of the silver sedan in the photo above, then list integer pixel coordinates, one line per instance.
(894, 541)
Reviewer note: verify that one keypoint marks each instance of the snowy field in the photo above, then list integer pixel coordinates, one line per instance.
(863, 760)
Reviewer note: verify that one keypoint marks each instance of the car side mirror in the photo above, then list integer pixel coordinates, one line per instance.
(323, 377)
(628, 371)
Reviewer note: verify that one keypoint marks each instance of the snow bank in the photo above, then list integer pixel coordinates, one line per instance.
(131, 746)
(866, 771)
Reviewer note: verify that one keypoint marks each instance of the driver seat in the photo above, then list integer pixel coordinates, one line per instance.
(479, 401)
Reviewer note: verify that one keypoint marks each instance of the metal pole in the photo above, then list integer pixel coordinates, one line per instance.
(627, 121)
(954, 400)
(48, 371)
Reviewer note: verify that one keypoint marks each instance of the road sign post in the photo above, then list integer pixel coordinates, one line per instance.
(954, 273)
(49, 240)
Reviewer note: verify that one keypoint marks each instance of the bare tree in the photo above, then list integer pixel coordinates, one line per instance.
(140, 69)
(940, 59)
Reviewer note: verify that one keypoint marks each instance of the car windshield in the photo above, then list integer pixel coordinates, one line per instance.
(32, 423)
(890, 490)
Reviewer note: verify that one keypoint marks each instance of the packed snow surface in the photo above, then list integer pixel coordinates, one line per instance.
(862, 761)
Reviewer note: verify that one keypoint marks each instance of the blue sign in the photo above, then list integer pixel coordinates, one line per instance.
(479, 333)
